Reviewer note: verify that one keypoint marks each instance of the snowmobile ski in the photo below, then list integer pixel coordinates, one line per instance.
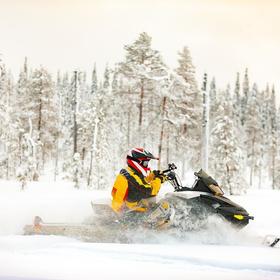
(271, 240)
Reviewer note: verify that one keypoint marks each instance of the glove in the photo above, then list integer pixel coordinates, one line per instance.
(171, 176)
(160, 175)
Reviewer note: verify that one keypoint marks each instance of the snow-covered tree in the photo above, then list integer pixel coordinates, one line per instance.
(272, 137)
(142, 70)
(205, 126)
(189, 106)
(43, 114)
(237, 112)
(73, 123)
(245, 96)
(277, 173)
(225, 160)
(27, 167)
(9, 127)
(253, 132)
(106, 81)
(102, 128)
(75, 101)
(277, 160)
(212, 101)
(94, 81)
(76, 170)
(23, 99)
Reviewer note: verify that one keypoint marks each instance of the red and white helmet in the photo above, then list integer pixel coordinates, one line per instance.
(138, 159)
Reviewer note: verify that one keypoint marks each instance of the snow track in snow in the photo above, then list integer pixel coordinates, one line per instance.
(216, 253)
(52, 257)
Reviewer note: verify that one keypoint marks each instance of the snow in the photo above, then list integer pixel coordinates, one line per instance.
(219, 253)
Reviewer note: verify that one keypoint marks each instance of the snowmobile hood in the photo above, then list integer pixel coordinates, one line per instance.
(185, 194)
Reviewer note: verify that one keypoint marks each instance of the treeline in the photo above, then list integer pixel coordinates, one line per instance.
(80, 128)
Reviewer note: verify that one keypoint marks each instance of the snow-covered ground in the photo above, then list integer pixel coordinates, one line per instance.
(219, 253)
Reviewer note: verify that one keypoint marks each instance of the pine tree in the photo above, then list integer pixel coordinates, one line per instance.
(225, 161)
(27, 167)
(212, 101)
(244, 99)
(106, 82)
(205, 126)
(100, 171)
(237, 103)
(73, 164)
(143, 68)
(94, 81)
(277, 160)
(272, 137)
(22, 99)
(246, 87)
(253, 132)
(189, 106)
(43, 115)
(8, 135)
(66, 96)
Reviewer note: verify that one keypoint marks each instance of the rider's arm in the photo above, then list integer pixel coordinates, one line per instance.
(155, 184)
(155, 179)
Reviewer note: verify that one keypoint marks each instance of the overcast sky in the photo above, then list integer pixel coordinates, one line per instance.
(224, 36)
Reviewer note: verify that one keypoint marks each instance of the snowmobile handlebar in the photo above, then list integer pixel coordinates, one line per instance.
(171, 167)
(172, 177)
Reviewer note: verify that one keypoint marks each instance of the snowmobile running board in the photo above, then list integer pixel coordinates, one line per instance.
(85, 232)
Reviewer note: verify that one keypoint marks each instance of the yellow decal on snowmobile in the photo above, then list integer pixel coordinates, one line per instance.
(238, 217)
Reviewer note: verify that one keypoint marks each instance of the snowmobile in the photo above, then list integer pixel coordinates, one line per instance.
(203, 199)
(186, 209)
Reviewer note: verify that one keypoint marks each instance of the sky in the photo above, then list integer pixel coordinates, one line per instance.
(224, 36)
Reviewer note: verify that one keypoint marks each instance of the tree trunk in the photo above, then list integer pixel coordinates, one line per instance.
(93, 148)
(128, 128)
(273, 168)
(40, 117)
(161, 131)
(56, 158)
(7, 166)
(205, 126)
(75, 127)
(141, 104)
(57, 139)
(167, 148)
(260, 176)
(83, 160)
(253, 162)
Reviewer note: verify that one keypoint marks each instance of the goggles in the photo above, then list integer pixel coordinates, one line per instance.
(145, 163)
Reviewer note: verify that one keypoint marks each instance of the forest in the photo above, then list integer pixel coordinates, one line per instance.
(79, 127)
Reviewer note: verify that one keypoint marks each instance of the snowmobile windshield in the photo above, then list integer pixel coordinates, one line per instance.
(207, 180)
(216, 190)
(207, 183)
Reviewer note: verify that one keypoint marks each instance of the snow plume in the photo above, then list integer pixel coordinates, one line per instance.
(215, 232)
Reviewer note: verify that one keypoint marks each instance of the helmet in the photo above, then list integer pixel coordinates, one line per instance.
(138, 159)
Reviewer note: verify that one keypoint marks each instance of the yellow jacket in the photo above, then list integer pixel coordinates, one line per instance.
(130, 188)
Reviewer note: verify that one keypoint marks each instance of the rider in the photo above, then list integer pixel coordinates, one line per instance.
(136, 183)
